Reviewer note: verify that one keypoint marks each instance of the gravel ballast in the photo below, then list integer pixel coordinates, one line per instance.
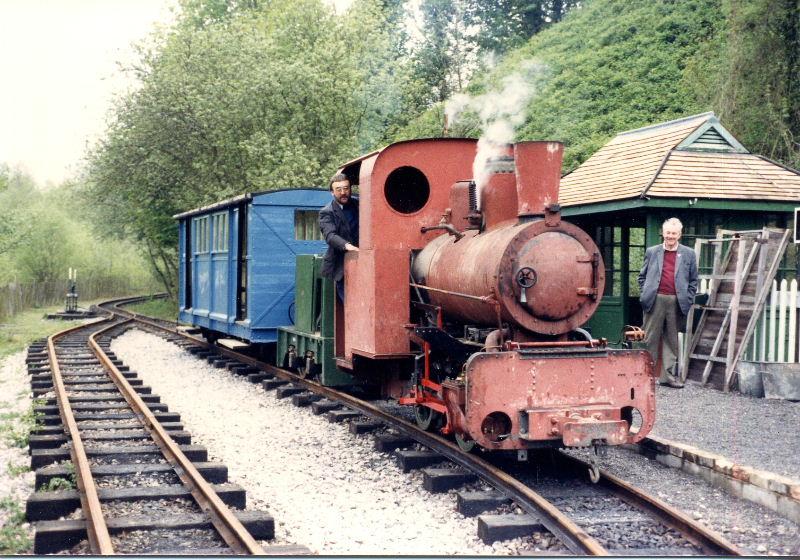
(16, 481)
(761, 433)
(361, 503)
(364, 505)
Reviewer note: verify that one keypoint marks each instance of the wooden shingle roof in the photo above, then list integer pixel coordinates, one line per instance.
(693, 157)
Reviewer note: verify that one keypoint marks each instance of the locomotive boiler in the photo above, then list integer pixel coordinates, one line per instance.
(483, 289)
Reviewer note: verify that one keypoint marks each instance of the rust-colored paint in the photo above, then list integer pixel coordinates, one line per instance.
(459, 205)
(499, 199)
(568, 283)
(568, 400)
(538, 174)
(376, 278)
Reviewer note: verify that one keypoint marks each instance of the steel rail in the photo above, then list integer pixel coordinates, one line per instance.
(707, 540)
(225, 522)
(570, 534)
(96, 528)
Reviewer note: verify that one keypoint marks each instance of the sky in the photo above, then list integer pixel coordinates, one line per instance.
(59, 72)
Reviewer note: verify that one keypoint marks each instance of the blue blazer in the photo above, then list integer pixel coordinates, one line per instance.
(685, 277)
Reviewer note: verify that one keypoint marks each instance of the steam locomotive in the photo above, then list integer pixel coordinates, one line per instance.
(464, 301)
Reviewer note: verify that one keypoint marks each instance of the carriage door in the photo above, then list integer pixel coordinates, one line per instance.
(187, 263)
(241, 261)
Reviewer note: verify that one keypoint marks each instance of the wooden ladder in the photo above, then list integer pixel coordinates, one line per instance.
(744, 266)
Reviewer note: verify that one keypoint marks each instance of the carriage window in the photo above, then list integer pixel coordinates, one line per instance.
(220, 227)
(306, 225)
(201, 237)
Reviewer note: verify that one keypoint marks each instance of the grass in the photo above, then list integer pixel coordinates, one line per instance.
(162, 308)
(14, 537)
(19, 331)
(16, 470)
(57, 483)
(16, 427)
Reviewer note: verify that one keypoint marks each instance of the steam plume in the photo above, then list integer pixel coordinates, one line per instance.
(500, 113)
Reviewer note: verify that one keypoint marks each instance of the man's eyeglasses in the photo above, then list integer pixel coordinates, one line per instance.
(341, 189)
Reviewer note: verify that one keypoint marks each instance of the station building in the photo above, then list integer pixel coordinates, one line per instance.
(690, 168)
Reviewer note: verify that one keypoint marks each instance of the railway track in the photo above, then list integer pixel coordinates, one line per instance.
(115, 471)
(610, 517)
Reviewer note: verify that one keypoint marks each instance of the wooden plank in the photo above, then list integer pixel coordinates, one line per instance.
(734, 322)
(781, 244)
(712, 326)
(232, 343)
(708, 358)
(712, 289)
(744, 176)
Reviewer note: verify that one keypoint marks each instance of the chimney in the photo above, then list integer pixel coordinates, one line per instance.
(538, 170)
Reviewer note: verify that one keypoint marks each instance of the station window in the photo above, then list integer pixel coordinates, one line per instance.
(219, 224)
(609, 241)
(636, 250)
(306, 225)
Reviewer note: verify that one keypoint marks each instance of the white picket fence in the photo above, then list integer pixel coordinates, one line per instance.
(775, 338)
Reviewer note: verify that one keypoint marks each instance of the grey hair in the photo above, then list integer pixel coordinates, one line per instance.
(672, 222)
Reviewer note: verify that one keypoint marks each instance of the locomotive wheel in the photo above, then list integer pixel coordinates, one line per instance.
(464, 443)
(427, 418)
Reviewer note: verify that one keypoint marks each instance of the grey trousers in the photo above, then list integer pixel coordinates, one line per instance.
(661, 324)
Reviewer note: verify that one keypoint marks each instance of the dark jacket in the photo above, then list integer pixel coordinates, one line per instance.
(685, 277)
(336, 232)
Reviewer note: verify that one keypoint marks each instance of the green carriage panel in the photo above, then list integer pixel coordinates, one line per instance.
(308, 294)
(314, 326)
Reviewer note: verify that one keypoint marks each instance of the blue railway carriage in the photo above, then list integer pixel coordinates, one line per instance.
(238, 259)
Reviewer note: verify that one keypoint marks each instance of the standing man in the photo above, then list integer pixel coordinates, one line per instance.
(338, 222)
(667, 283)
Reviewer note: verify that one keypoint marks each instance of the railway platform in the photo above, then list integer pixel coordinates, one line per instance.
(747, 446)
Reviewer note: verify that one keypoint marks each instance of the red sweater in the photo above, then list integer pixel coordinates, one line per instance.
(667, 284)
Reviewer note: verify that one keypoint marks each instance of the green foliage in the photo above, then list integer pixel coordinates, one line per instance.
(160, 308)
(444, 59)
(15, 189)
(240, 97)
(45, 232)
(755, 86)
(14, 538)
(19, 331)
(16, 470)
(57, 483)
(613, 66)
(17, 428)
(508, 24)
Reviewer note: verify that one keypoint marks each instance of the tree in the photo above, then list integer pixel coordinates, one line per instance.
(48, 250)
(16, 188)
(243, 97)
(757, 87)
(508, 24)
(445, 58)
